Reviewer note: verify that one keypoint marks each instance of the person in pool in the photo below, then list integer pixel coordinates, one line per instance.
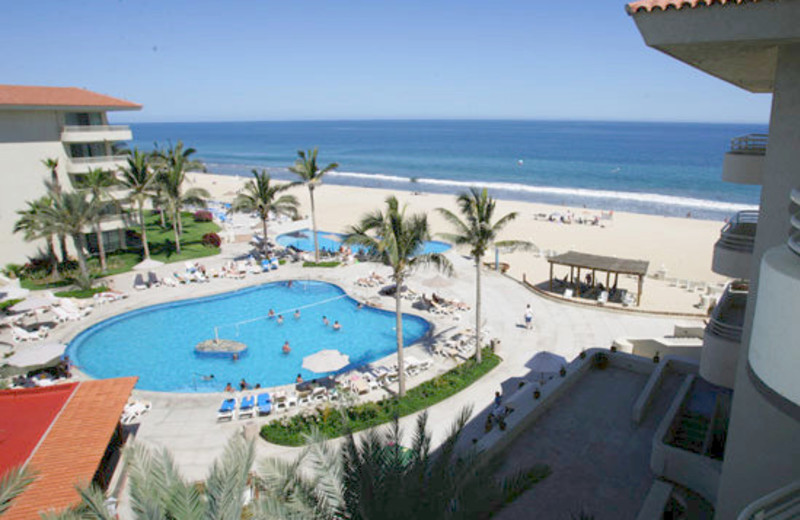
(243, 385)
(271, 313)
(229, 388)
(286, 348)
(297, 314)
(209, 377)
(325, 321)
(336, 326)
(280, 319)
(299, 379)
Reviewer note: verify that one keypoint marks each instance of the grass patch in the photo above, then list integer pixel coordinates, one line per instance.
(290, 431)
(8, 303)
(330, 263)
(162, 248)
(82, 293)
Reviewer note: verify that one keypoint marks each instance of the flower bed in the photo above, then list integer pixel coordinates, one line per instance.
(290, 431)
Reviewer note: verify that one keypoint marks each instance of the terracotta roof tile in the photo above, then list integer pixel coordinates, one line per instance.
(663, 5)
(71, 451)
(20, 95)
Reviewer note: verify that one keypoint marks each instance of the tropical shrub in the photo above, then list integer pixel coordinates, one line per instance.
(212, 240)
(331, 263)
(203, 216)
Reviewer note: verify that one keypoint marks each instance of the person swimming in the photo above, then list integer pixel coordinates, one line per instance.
(297, 314)
(209, 377)
(299, 379)
(235, 357)
(325, 321)
(280, 319)
(229, 388)
(286, 348)
(336, 326)
(271, 313)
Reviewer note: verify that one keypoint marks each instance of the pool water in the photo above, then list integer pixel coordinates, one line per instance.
(303, 240)
(157, 343)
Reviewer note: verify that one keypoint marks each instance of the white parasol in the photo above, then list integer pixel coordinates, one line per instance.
(37, 355)
(148, 264)
(546, 363)
(325, 361)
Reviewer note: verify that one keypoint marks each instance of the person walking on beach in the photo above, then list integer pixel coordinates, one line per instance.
(528, 317)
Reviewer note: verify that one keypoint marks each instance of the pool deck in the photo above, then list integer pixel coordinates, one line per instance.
(187, 425)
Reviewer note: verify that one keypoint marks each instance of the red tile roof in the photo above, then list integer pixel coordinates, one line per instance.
(663, 5)
(71, 450)
(62, 97)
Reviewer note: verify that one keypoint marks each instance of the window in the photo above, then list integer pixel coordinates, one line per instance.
(112, 241)
(78, 150)
(83, 118)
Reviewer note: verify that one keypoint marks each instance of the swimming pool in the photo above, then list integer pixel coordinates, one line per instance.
(157, 343)
(303, 240)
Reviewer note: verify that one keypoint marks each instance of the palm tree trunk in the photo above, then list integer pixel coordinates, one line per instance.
(77, 240)
(314, 225)
(264, 229)
(51, 252)
(179, 219)
(62, 245)
(401, 373)
(478, 309)
(177, 233)
(163, 218)
(144, 230)
(100, 246)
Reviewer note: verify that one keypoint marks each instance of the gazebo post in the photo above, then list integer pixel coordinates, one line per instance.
(608, 279)
(551, 276)
(639, 295)
(578, 285)
(594, 277)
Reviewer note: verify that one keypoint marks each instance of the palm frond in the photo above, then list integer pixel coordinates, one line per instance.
(12, 484)
(228, 479)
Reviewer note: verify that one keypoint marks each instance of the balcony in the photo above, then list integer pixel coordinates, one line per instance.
(81, 165)
(723, 336)
(95, 133)
(733, 251)
(744, 163)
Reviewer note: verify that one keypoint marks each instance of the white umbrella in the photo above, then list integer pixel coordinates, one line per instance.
(147, 264)
(438, 281)
(547, 363)
(34, 302)
(36, 355)
(325, 361)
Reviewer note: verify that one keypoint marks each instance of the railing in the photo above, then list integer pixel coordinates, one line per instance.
(720, 322)
(794, 234)
(84, 161)
(95, 128)
(781, 503)
(739, 233)
(751, 144)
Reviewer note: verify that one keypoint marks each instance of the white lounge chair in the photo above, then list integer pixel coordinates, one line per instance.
(568, 293)
(70, 306)
(62, 315)
(19, 334)
(602, 299)
(170, 281)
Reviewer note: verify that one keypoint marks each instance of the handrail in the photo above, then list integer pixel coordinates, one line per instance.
(730, 238)
(97, 159)
(752, 144)
(718, 326)
(94, 128)
(784, 501)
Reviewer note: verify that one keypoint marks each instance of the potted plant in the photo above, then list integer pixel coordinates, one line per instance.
(583, 354)
(537, 393)
(563, 371)
(613, 347)
(656, 358)
(601, 360)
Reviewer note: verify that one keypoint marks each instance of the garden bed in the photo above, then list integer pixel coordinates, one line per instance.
(331, 421)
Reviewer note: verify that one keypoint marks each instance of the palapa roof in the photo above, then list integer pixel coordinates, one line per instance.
(62, 432)
(32, 97)
(601, 263)
(663, 5)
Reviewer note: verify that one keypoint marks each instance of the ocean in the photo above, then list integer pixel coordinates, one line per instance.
(670, 169)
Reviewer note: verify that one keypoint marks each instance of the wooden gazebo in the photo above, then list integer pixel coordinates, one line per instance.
(608, 264)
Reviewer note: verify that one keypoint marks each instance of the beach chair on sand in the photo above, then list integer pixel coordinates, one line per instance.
(19, 334)
(263, 404)
(226, 410)
(138, 282)
(602, 299)
(170, 281)
(152, 279)
(568, 293)
(247, 406)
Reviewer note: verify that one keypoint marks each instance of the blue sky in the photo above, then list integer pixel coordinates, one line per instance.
(344, 59)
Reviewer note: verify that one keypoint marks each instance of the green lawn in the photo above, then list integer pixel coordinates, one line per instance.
(162, 248)
(331, 423)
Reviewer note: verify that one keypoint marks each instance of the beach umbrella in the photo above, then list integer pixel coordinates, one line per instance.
(325, 361)
(38, 355)
(33, 303)
(438, 282)
(546, 363)
(147, 265)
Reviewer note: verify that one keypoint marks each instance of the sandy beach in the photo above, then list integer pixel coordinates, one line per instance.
(681, 246)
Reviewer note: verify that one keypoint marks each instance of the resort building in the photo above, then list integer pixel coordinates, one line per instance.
(751, 343)
(68, 125)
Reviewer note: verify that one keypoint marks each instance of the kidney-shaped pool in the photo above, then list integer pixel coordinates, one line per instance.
(158, 343)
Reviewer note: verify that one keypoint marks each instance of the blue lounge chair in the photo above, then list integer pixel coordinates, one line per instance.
(247, 406)
(264, 404)
(227, 409)
(265, 265)
(274, 264)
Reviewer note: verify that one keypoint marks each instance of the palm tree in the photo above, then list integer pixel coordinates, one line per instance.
(262, 197)
(138, 177)
(395, 240)
(70, 213)
(306, 168)
(375, 477)
(98, 182)
(33, 222)
(173, 165)
(54, 185)
(12, 483)
(479, 233)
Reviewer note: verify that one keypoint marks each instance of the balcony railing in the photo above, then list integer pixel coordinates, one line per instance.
(739, 233)
(88, 161)
(95, 128)
(782, 503)
(751, 144)
(727, 320)
(794, 234)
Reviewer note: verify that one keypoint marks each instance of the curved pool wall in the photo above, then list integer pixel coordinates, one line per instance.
(303, 239)
(157, 343)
